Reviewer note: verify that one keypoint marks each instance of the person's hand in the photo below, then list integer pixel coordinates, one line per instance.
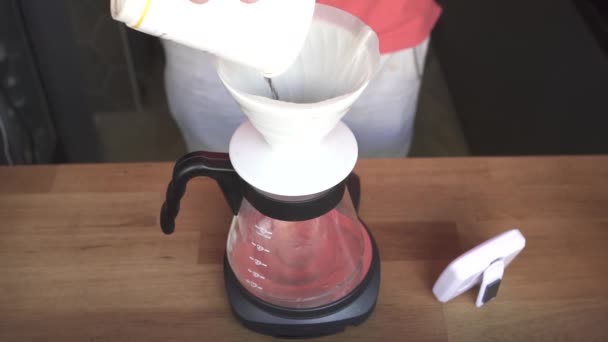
(203, 1)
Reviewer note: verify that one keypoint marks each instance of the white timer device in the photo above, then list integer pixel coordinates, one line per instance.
(483, 264)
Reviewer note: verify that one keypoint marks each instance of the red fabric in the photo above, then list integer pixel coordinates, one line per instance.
(400, 24)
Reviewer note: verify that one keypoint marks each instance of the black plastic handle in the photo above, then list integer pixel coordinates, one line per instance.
(195, 164)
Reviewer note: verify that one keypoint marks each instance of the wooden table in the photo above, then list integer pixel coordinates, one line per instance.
(82, 257)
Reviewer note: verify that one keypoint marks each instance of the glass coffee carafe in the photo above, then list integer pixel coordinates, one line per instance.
(292, 255)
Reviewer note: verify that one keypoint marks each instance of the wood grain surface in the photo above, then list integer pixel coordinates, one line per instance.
(82, 257)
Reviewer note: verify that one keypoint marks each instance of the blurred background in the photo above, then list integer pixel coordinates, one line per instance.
(501, 78)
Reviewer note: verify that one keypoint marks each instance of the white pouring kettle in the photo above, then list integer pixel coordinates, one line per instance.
(266, 35)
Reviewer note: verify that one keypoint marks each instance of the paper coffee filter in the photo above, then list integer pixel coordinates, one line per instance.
(339, 58)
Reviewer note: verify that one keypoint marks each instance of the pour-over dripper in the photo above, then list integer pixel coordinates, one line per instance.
(339, 58)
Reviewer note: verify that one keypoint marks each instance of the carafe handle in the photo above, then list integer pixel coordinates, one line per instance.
(195, 164)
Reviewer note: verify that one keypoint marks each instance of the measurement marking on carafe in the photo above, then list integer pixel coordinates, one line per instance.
(263, 232)
(253, 284)
(257, 262)
(260, 247)
(256, 274)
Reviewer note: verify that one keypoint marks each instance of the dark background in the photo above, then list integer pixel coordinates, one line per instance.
(528, 77)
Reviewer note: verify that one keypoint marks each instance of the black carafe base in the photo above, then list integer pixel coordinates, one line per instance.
(276, 321)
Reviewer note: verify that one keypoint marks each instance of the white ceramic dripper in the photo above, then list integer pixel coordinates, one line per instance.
(338, 59)
(297, 145)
